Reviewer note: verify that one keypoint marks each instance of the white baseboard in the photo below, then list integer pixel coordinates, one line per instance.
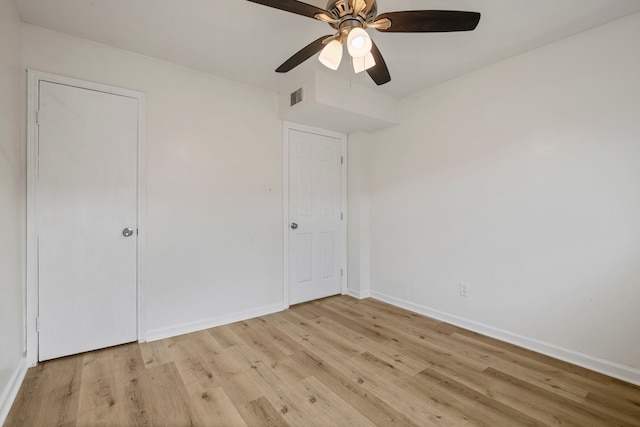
(186, 328)
(612, 369)
(10, 392)
(358, 294)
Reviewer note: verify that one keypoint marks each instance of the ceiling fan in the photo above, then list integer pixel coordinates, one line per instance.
(350, 18)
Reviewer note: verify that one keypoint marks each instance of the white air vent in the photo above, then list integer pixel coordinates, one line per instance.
(296, 97)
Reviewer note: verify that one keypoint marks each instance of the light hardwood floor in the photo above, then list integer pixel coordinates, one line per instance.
(337, 361)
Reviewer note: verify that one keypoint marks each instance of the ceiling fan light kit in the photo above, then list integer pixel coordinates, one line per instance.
(351, 18)
(364, 63)
(358, 43)
(331, 55)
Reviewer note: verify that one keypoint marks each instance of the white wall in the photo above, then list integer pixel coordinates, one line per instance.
(213, 238)
(12, 182)
(359, 209)
(522, 179)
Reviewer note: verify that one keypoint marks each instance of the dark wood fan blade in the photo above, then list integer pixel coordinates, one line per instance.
(430, 21)
(379, 73)
(302, 55)
(292, 6)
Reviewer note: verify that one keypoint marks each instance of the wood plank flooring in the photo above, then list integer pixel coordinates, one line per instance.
(337, 361)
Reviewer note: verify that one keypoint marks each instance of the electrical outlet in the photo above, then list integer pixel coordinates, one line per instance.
(464, 289)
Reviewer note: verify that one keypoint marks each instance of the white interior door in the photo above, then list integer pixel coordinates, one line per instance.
(315, 206)
(86, 197)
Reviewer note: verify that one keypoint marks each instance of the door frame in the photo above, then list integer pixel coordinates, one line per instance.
(32, 306)
(286, 128)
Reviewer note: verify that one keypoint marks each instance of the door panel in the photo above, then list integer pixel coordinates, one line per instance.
(86, 195)
(327, 254)
(315, 200)
(304, 247)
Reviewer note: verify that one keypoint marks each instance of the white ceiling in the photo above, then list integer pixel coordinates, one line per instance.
(246, 42)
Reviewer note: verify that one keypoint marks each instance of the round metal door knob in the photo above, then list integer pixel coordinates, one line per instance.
(294, 225)
(127, 232)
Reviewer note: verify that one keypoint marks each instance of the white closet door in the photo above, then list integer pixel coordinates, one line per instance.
(86, 198)
(315, 200)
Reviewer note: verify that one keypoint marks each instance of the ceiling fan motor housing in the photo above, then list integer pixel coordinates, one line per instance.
(341, 9)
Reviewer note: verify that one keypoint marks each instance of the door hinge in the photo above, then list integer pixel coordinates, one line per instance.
(341, 272)
(341, 215)
(38, 324)
(37, 117)
(342, 160)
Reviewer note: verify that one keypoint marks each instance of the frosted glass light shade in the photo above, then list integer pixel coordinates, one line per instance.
(358, 43)
(331, 55)
(364, 63)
